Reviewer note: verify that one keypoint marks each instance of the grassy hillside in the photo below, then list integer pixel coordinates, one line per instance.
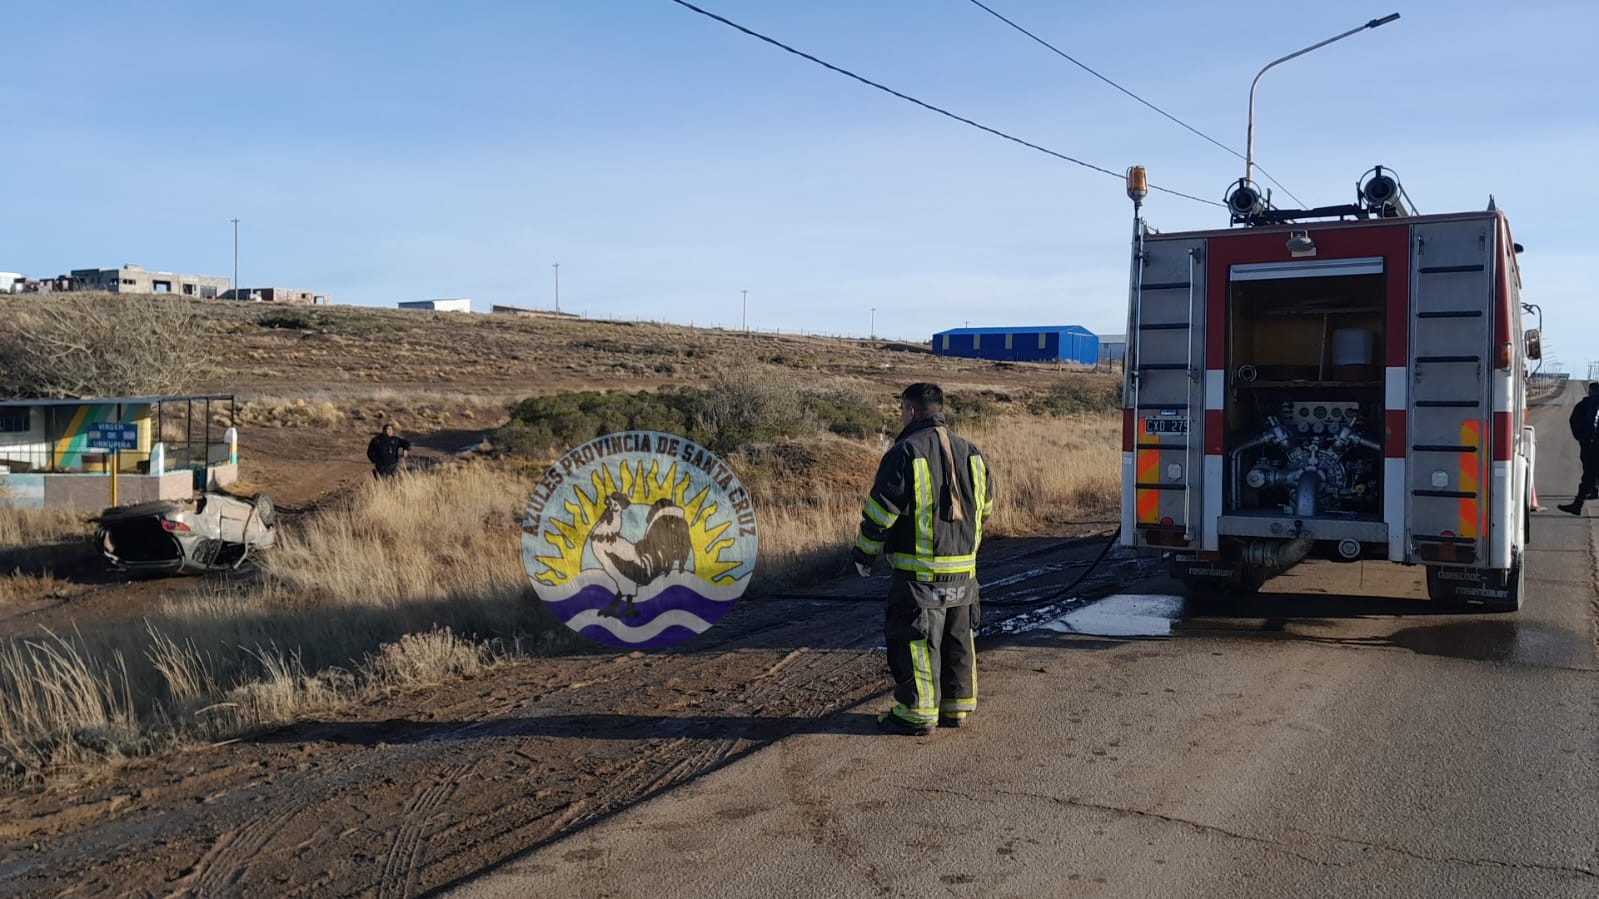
(382, 586)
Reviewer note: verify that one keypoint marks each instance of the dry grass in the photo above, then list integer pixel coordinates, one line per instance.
(27, 586)
(36, 545)
(365, 408)
(419, 580)
(1051, 474)
(36, 527)
(405, 583)
(1052, 471)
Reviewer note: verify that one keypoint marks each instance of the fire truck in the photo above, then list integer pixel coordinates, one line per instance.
(1344, 382)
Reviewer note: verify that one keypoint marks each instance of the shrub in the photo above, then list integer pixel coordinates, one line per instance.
(966, 409)
(733, 413)
(1078, 395)
(846, 414)
(570, 418)
(293, 319)
(103, 345)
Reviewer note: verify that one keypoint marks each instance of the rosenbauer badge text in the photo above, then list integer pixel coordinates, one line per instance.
(639, 539)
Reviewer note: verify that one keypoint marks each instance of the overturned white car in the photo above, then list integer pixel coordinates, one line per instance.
(213, 532)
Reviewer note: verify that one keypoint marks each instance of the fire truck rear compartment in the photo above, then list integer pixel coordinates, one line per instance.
(1303, 422)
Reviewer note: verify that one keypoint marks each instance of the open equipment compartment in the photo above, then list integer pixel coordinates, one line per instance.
(1304, 417)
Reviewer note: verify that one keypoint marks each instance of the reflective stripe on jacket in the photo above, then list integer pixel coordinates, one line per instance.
(928, 530)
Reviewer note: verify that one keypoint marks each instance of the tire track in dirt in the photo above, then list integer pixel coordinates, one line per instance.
(430, 788)
(230, 857)
(405, 852)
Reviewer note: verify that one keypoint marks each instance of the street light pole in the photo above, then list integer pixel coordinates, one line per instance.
(557, 288)
(236, 260)
(1249, 142)
(872, 334)
(744, 311)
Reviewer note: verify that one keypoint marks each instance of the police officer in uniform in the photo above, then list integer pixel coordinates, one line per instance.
(925, 514)
(1585, 429)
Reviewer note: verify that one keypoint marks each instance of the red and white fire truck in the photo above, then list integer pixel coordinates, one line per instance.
(1346, 382)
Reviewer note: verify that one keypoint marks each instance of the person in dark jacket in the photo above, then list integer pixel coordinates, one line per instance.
(386, 451)
(1585, 429)
(925, 513)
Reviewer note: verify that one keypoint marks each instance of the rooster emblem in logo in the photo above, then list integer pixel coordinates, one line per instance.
(665, 545)
(639, 539)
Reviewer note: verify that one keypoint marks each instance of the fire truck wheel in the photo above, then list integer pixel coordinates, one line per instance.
(1514, 582)
(1526, 515)
(1251, 579)
(1204, 594)
(1439, 590)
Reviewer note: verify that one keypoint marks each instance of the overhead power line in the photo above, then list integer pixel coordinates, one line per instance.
(1074, 61)
(928, 106)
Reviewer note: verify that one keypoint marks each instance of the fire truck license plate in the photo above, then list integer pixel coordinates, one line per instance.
(1165, 426)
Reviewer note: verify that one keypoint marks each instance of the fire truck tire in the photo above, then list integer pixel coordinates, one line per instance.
(1515, 583)
(1526, 515)
(1251, 579)
(1440, 590)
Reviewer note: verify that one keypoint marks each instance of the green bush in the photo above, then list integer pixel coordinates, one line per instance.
(969, 408)
(846, 416)
(732, 414)
(294, 319)
(1077, 395)
(570, 418)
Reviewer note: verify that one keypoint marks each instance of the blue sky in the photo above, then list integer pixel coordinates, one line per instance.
(395, 151)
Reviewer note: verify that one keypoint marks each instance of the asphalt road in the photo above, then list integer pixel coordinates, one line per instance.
(1338, 736)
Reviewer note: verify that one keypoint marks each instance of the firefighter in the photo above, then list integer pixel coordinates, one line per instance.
(926, 513)
(1585, 428)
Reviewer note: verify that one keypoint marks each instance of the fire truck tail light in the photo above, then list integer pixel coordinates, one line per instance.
(1505, 356)
(1157, 537)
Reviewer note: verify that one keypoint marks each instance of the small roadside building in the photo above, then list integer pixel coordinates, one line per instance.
(286, 295)
(1112, 348)
(1035, 343)
(49, 460)
(458, 304)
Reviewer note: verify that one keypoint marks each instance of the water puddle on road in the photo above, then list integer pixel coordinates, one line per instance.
(1121, 615)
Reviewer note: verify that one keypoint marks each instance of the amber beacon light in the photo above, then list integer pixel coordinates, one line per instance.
(1137, 184)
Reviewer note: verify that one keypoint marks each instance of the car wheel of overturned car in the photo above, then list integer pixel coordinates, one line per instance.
(264, 510)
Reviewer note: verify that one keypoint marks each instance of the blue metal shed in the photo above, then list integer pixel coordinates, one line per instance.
(1036, 343)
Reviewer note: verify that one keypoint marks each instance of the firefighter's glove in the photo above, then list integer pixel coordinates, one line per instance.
(863, 569)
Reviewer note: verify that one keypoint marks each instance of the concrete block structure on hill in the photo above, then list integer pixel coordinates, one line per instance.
(277, 295)
(459, 304)
(134, 279)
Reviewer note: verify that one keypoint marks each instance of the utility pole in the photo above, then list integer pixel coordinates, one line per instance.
(236, 295)
(557, 288)
(744, 311)
(872, 334)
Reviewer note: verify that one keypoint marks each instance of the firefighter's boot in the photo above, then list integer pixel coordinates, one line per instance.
(890, 723)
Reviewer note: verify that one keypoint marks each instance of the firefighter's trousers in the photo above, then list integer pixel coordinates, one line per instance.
(931, 655)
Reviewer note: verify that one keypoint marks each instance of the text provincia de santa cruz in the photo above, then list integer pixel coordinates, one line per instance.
(674, 448)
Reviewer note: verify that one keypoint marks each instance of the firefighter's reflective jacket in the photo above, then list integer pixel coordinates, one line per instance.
(927, 507)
